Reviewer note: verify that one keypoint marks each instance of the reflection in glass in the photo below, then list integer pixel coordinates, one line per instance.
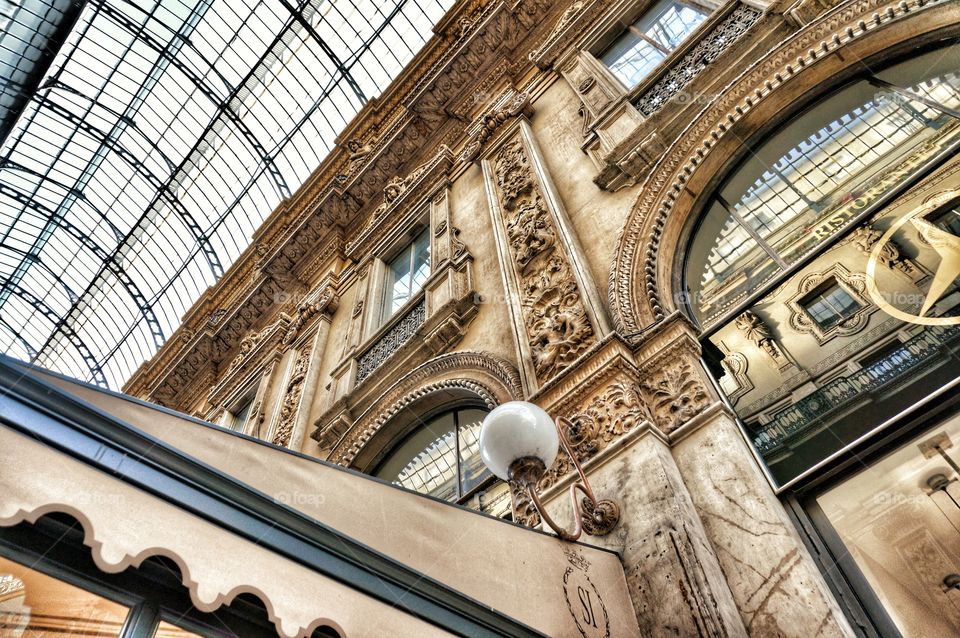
(167, 630)
(870, 324)
(407, 272)
(903, 535)
(441, 458)
(804, 184)
(829, 305)
(34, 605)
(645, 43)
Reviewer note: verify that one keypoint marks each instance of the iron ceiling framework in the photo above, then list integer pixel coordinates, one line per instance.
(159, 138)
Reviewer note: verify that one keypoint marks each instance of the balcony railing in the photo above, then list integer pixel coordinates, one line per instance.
(391, 341)
(803, 415)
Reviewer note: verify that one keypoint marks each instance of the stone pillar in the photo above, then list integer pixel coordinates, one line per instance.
(673, 576)
(676, 583)
(776, 584)
(773, 579)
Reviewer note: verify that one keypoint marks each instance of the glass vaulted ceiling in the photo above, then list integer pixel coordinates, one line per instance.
(162, 135)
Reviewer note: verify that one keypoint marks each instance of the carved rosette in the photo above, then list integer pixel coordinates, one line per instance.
(291, 399)
(553, 313)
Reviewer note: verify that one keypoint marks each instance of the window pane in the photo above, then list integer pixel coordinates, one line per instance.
(241, 415)
(421, 262)
(34, 605)
(398, 280)
(472, 470)
(427, 461)
(632, 59)
(658, 32)
(724, 264)
(902, 534)
(669, 23)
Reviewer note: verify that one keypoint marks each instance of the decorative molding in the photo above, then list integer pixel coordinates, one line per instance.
(854, 284)
(511, 104)
(488, 377)
(710, 47)
(291, 399)
(326, 304)
(546, 52)
(758, 333)
(400, 192)
(554, 317)
(634, 285)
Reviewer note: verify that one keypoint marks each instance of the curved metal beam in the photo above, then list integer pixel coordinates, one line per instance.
(162, 187)
(31, 351)
(223, 105)
(108, 259)
(61, 326)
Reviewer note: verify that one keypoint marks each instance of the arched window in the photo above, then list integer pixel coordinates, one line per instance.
(825, 273)
(815, 275)
(818, 176)
(441, 457)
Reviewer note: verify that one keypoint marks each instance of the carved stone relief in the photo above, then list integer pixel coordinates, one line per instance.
(865, 238)
(758, 333)
(554, 317)
(291, 399)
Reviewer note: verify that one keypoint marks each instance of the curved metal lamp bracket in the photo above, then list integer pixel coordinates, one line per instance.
(601, 515)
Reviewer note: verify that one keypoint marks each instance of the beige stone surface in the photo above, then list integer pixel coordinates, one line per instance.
(774, 581)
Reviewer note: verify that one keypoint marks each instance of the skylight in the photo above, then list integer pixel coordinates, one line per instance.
(162, 136)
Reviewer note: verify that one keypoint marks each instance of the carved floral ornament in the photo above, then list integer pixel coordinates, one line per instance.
(553, 313)
(635, 280)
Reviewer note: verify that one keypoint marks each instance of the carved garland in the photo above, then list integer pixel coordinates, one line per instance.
(291, 399)
(667, 180)
(554, 316)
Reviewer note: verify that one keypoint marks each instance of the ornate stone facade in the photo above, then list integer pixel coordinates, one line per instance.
(535, 175)
(553, 313)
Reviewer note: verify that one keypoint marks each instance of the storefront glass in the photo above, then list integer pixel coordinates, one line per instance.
(824, 272)
(34, 605)
(899, 519)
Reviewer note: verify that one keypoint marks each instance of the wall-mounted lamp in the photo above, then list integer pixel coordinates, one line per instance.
(519, 442)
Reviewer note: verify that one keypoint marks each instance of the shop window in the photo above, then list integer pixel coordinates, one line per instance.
(829, 305)
(406, 274)
(810, 200)
(644, 44)
(898, 519)
(441, 457)
(34, 604)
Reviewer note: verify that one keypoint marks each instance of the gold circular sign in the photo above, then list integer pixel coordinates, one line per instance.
(946, 244)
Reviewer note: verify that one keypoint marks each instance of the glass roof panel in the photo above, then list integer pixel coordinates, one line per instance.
(163, 133)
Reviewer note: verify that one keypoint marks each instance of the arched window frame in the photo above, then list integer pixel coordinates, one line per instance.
(409, 430)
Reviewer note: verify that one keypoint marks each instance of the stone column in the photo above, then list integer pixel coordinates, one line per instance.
(676, 583)
(774, 581)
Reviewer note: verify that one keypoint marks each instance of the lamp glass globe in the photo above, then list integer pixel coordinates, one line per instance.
(515, 430)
